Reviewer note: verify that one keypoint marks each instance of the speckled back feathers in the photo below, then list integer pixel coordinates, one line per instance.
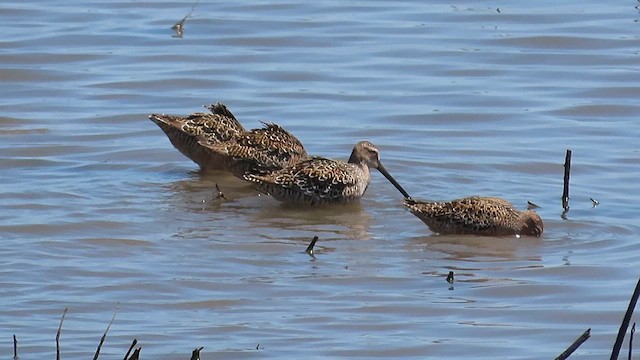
(476, 215)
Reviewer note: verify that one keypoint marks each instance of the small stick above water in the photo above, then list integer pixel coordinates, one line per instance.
(15, 348)
(58, 334)
(565, 191)
(133, 344)
(104, 336)
(195, 354)
(633, 331)
(311, 245)
(573, 347)
(625, 322)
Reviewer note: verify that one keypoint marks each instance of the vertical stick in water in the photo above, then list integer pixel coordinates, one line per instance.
(633, 331)
(133, 344)
(625, 322)
(104, 336)
(58, 334)
(15, 348)
(565, 191)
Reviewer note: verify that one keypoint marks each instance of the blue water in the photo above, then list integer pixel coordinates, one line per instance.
(101, 215)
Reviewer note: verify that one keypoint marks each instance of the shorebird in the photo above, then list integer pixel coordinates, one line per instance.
(476, 216)
(183, 132)
(258, 151)
(320, 181)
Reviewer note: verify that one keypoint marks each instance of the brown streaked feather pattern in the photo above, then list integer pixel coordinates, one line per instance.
(258, 151)
(476, 216)
(316, 181)
(220, 109)
(320, 181)
(183, 132)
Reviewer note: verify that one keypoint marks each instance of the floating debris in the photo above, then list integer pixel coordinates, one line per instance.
(450, 278)
(178, 27)
(594, 202)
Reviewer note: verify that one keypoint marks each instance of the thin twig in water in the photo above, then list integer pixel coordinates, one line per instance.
(178, 27)
(195, 354)
(450, 279)
(565, 190)
(136, 354)
(594, 202)
(104, 336)
(311, 245)
(133, 344)
(15, 348)
(633, 330)
(220, 194)
(585, 335)
(625, 322)
(58, 334)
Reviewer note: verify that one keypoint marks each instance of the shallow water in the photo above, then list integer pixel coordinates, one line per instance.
(101, 213)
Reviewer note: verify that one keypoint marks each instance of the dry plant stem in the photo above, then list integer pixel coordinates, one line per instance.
(135, 355)
(15, 347)
(633, 331)
(565, 191)
(104, 336)
(311, 245)
(58, 334)
(585, 335)
(133, 344)
(625, 322)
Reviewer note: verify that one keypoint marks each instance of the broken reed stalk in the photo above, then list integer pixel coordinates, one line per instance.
(625, 322)
(633, 331)
(565, 191)
(64, 313)
(133, 344)
(195, 354)
(104, 336)
(311, 245)
(135, 355)
(15, 348)
(573, 347)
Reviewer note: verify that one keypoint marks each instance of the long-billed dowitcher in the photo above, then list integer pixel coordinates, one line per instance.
(183, 132)
(258, 151)
(476, 216)
(319, 181)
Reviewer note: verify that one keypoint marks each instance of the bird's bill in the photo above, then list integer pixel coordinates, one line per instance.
(386, 174)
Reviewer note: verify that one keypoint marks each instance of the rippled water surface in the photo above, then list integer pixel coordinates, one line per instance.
(101, 214)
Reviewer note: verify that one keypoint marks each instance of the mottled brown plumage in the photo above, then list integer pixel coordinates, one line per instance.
(184, 132)
(320, 181)
(476, 216)
(258, 151)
